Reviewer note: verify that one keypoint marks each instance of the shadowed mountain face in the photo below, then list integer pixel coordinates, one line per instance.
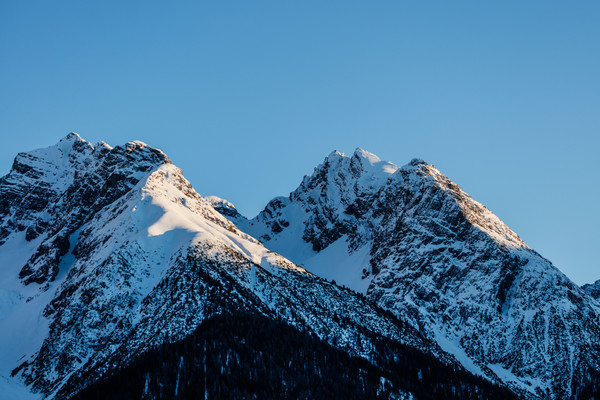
(593, 289)
(109, 253)
(412, 241)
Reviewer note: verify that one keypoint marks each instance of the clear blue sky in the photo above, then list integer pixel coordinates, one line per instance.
(247, 97)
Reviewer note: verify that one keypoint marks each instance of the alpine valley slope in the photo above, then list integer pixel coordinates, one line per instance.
(108, 253)
(415, 243)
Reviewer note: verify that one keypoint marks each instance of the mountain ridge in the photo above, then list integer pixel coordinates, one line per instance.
(125, 255)
(109, 253)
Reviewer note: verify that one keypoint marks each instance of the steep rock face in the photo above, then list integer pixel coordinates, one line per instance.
(415, 243)
(327, 217)
(144, 260)
(593, 289)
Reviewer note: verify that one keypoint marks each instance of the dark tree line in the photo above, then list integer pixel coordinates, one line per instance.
(250, 356)
(586, 384)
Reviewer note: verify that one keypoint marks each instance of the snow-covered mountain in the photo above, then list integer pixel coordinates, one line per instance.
(411, 240)
(107, 253)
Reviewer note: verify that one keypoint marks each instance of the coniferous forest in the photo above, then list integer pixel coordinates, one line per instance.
(246, 356)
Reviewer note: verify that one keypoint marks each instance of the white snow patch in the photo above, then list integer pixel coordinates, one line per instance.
(506, 376)
(338, 264)
(457, 351)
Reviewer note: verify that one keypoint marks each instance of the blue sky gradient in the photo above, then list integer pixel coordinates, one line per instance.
(247, 97)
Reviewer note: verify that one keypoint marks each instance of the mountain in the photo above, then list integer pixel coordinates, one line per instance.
(109, 257)
(593, 289)
(415, 243)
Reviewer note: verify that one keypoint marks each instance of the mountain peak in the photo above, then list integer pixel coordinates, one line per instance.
(417, 164)
(226, 208)
(419, 176)
(71, 181)
(139, 146)
(135, 144)
(361, 163)
(103, 144)
(72, 141)
(73, 137)
(417, 161)
(334, 155)
(367, 155)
